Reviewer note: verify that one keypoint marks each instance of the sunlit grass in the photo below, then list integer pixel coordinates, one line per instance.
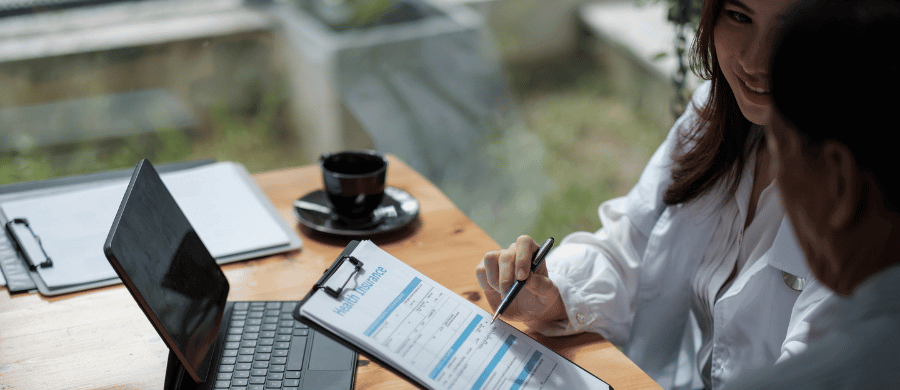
(596, 145)
(258, 138)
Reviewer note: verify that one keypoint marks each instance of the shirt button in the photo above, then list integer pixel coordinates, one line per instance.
(795, 283)
(580, 318)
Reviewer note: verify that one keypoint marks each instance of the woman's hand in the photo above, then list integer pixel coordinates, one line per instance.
(538, 302)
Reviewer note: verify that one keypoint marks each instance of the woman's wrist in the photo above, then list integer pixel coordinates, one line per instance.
(555, 312)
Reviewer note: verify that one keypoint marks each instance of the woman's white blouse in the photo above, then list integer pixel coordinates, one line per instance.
(655, 278)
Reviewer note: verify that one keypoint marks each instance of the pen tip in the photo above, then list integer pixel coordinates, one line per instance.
(495, 317)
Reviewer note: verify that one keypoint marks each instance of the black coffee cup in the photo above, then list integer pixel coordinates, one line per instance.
(354, 183)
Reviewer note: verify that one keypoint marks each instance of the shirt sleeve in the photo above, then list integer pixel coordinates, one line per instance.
(597, 273)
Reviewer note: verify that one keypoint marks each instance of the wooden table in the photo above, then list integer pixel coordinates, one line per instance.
(100, 339)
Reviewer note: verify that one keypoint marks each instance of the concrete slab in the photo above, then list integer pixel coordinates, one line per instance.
(117, 25)
(628, 40)
(642, 30)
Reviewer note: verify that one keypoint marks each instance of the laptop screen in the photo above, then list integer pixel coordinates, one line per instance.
(168, 270)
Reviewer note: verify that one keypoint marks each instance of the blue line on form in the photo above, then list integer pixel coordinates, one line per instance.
(462, 338)
(390, 309)
(493, 364)
(527, 370)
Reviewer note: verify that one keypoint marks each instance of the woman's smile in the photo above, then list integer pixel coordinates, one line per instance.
(755, 89)
(753, 93)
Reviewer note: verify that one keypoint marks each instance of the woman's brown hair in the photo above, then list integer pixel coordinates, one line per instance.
(717, 145)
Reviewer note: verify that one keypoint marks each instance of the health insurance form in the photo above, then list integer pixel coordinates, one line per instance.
(433, 335)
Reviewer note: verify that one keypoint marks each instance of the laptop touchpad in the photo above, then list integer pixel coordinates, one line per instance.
(329, 355)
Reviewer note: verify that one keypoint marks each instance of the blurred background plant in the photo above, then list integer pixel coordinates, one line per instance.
(596, 144)
(680, 11)
(590, 143)
(344, 15)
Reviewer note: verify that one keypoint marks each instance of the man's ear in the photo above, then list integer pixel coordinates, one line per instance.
(844, 184)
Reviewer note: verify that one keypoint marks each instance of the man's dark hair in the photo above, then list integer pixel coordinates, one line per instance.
(835, 75)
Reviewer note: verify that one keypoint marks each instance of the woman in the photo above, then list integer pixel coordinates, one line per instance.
(696, 272)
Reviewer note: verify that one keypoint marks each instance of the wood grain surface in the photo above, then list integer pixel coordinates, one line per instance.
(100, 339)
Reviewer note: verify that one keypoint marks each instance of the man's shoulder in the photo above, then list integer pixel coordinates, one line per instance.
(860, 354)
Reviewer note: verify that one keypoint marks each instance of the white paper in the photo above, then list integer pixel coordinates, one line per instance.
(73, 226)
(427, 332)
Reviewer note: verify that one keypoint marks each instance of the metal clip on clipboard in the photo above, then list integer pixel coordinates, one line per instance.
(331, 282)
(18, 242)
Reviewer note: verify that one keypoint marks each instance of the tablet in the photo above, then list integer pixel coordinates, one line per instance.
(165, 266)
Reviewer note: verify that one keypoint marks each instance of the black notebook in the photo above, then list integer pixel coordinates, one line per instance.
(214, 344)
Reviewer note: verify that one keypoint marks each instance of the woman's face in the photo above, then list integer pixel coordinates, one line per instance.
(744, 34)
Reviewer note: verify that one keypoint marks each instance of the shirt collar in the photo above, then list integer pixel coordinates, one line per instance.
(745, 187)
(786, 254)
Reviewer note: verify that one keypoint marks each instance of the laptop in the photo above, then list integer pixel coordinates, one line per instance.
(213, 343)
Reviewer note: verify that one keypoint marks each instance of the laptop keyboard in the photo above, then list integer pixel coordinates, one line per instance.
(264, 348)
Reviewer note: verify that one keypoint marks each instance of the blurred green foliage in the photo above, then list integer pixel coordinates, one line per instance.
(258, 137)
(686, 11)
(596, 146)
(366, 12)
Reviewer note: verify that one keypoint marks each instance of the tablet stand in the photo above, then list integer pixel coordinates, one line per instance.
(176, 376)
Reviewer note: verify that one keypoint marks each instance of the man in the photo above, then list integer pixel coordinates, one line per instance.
(835, 83)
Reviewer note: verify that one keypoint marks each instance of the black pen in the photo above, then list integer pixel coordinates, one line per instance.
(536, 261)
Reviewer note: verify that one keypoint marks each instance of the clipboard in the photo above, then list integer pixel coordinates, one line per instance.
(334, 281)
(344, 260)
(21, 251)
(20, 278)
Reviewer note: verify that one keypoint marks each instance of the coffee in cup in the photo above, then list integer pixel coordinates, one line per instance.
(354, 183)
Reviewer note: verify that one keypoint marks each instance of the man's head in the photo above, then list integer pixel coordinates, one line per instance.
(835, 84)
